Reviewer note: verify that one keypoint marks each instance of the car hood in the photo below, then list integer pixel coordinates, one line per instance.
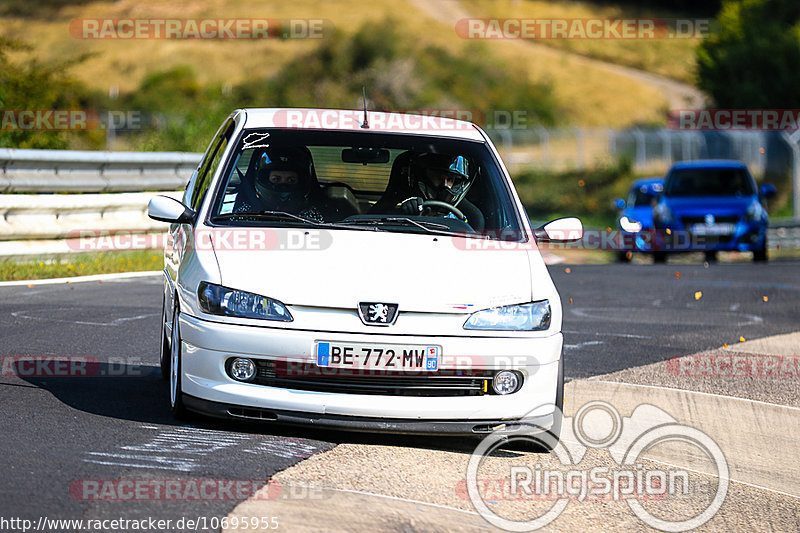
(700, 206)
(340, 268)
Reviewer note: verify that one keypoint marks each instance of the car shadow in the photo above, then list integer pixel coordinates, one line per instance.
(139, 394)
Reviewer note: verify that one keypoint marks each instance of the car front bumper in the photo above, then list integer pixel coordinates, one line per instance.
(208, 389)
(746, 237)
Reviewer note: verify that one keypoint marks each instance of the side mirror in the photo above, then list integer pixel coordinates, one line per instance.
(166, 209)
(560, 230)
(767, 190)
(619, 203)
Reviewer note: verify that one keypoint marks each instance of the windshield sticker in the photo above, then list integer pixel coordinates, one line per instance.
(256, 140)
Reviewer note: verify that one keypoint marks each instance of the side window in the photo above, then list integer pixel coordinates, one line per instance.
(201, 179)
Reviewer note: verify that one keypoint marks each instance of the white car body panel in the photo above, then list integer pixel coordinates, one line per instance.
(436, 280)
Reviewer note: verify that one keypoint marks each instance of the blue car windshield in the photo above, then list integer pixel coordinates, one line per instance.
(709, 182)
(639, 197)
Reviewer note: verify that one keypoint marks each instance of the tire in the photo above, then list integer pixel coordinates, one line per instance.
(659, 257)
(176, 370)
(622, 257)
(760, 255)
(710, 256)
(555, 430)
(552, 435)
(165, 351)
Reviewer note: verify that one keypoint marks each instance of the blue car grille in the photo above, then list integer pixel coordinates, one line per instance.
(689, 221)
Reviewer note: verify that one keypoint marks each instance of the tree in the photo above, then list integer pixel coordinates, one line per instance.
(37, 86)
(752, 58)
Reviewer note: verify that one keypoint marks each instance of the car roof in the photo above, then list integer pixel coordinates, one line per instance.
(709, 163)
(351, 120)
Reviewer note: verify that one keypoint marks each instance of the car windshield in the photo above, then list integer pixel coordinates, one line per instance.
(709, 182)
(640, 196)
(364, 180)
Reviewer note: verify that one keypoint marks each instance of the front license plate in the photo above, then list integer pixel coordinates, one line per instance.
(713, 229)
(378, 356)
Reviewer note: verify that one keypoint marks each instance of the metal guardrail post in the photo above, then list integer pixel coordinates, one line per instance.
(792, 140)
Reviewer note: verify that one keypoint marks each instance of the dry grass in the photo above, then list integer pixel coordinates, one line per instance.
(589, 96)
(673, 58)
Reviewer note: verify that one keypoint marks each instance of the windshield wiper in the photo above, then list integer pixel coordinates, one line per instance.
(430, 227)
(266, 215)
(284, 216)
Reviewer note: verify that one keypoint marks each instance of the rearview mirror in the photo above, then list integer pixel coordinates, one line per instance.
(365, 155)
(567, 229)
(619, 203)
(767, 190)
(166, 209)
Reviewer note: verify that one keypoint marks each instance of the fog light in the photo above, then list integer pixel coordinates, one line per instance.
(243, 369)
(506, 382)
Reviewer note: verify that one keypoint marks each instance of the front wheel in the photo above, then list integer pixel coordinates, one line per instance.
(175, 374)
(548, 440)
(165, 351)
(760, 255)
(659, 257)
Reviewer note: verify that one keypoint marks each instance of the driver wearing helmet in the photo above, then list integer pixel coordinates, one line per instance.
(442, 178)
(283, 183)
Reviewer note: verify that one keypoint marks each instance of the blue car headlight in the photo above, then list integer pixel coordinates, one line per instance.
(630, 225)
(219, 300)
(755, 211)
(663, 213)
(534, 316)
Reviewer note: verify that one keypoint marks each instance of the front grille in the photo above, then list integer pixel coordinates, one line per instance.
(309, 377)
(689, 221)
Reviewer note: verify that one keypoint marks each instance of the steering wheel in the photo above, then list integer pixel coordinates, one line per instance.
(434, 204)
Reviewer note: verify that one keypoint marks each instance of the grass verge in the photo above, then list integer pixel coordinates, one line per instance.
(80, 265)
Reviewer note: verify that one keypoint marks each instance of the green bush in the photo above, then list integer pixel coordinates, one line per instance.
(752, 60)
(41, 86)
(587, 194)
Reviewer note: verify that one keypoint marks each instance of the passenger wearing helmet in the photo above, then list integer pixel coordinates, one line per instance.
(283, 182)
(443, 178)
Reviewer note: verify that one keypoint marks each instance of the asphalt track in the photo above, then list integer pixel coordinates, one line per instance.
(58, 432)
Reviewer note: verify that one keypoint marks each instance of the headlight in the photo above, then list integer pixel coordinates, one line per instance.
(663, 213)
(218, 300)
(527, 317)
(630, 225)
(755, 211)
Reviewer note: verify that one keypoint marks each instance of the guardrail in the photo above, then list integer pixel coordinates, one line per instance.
(784, 233)
(31, 217)
(85, 171)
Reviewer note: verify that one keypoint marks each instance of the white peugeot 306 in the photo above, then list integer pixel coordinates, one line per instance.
(358, 271)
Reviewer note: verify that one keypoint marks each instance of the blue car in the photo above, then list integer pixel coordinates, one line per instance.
(711, 206)
(635, 218)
